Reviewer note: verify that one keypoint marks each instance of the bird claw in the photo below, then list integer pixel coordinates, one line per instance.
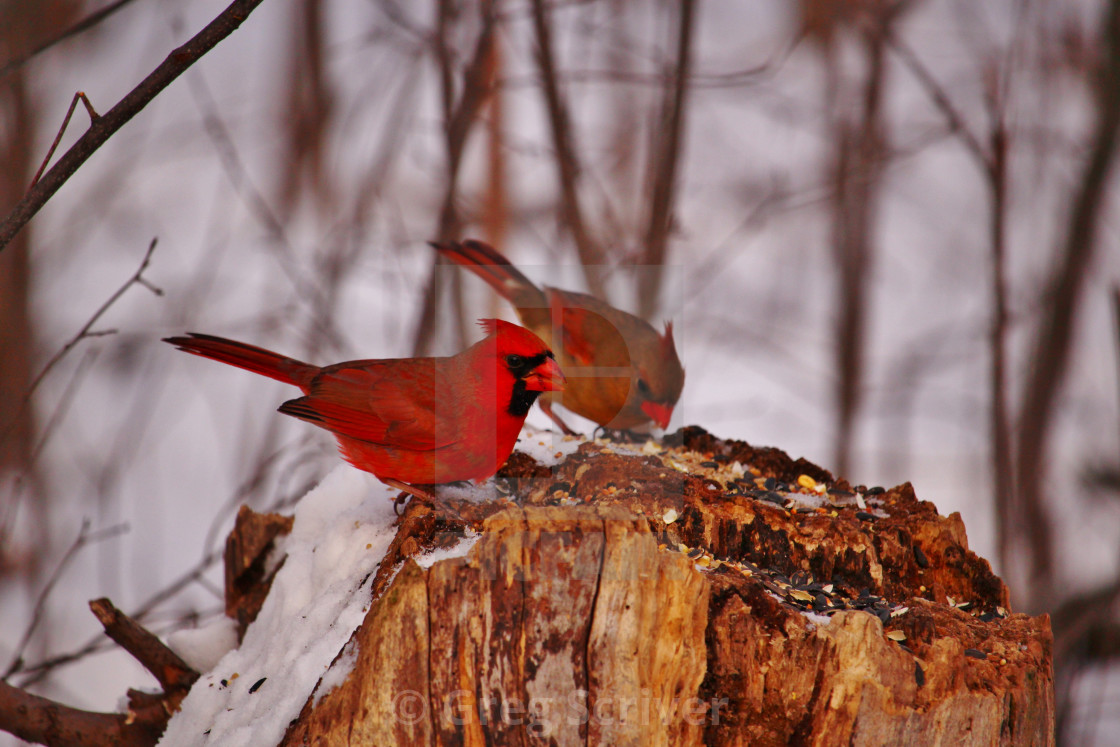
(621, 435)
(408, 491)
(402, 499)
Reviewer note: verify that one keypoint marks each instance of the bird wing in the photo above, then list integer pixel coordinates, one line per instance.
(390, 403)
(590, 337)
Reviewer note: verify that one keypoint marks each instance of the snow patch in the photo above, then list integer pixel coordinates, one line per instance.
(547, 447)
(318, 598)
(458, 550)
(204, 647)
(817, 619)
(471, 492)
(338, 672)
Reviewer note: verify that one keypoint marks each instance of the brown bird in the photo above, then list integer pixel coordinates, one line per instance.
(621, 373)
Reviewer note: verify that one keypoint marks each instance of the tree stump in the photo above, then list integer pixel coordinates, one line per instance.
(709, 593)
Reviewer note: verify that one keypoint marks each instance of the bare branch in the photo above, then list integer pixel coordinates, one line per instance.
(37, 719)
(86, 23)
(104, 127)
(85, 332)
(567, 158)
(1116, 330)
(663, 170)
(40, 670)
(460, 118)
(169, 669)
(84, 538)
(940, 99)
(476, 87)
(861, 145)
(308, 111)
(1000, 415)
(1050, 358)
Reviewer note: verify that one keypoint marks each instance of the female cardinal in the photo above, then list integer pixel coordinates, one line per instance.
(413, 421)
(621, 372)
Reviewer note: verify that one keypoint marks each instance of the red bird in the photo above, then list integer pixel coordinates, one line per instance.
(621, 372)
(413, 421)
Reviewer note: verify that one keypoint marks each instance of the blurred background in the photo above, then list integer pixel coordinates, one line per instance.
(886, 232)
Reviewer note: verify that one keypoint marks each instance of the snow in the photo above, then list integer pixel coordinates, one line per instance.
(204, 647)
(546, 446)
(338, 672)
(816, 619)
(473, 492)
(321, 593)
(318, 598)
(457, 550)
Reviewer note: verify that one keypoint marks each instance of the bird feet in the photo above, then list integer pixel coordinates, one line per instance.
(546, 408)
(621, 435)
(408, 491)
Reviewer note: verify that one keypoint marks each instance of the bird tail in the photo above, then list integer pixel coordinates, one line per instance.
(249, 357)
(486, 262)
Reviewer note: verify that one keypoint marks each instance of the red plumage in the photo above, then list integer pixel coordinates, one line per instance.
(412, 421)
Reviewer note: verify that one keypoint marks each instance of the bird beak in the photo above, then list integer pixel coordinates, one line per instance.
(547, 377)
(658, 413)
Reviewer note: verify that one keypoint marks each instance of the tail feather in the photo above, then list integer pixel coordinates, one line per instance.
(249, 357)
(486, 262)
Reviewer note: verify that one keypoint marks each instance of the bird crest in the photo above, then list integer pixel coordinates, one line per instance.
(490, 326)
(668, 347)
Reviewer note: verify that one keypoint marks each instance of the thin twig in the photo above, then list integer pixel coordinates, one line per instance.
(567, 159)
(85, 332)
(40, 670)
(84, 538)
(663, 170)
(101, 130)
(258, 205)
(93, 116)
(63, 405)
(460, 116)
(939, 97)
(86, 23)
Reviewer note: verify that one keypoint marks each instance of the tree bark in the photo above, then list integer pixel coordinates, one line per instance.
(627, 602)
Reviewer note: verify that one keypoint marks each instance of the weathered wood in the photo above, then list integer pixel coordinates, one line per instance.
(37, 719)
(384, 698)
(246, 573)
(788, 680)
(561, 625)
(646, 655)
(175, 676)
(668, 598)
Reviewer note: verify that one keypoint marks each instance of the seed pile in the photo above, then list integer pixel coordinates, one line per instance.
(734, 476)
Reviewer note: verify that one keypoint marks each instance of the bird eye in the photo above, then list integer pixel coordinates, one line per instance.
(514, 360)
(643, 387)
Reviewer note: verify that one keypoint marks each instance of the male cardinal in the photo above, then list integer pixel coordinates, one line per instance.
(413, 421)
(621, 372)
